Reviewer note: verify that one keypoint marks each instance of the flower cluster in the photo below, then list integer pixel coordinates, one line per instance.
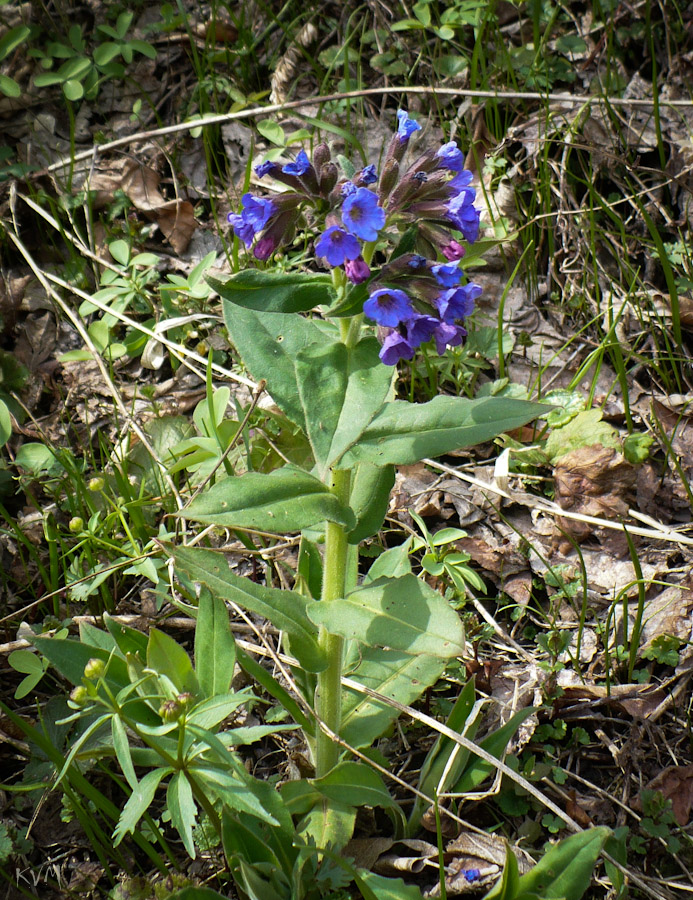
(413, 298)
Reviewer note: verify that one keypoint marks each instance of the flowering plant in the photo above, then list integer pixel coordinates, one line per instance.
(355, 646)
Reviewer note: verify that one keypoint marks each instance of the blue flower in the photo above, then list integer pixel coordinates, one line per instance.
(395, 347)
(417, 262)
(265, 168)
(367, 175)
(457, 303)
(299, 167)
(447, 335)
(448, 276)
(451, 157)
(337, 245)
(347, 189)
(362, 215)
(388, 307)
(462, 179)
(464, 215)
(244, 230)
(406, 126)
(471, 875)
(257, 211)
(420, 329)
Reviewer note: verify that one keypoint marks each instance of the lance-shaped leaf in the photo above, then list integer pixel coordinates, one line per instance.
(400, 613)
(354, 784)
(284, 609)
(286, 500)
(403, 433)
(399, 676)
(269, 345)
(215, 647)
(275, 292)
(370, 496)
(341, 390)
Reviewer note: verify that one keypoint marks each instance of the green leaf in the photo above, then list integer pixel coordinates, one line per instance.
(286, 500)
(166, 657)
(233, 793)
(215, 647)
(12, 39)
(404, 433)
(138, 803)
(274, 133)
(328, 823)
(565, 872)
(509, 882)
(378, 887)
(341, 390)
(179, 799)
(71, 656)
(9, 87)
(586, 429)
(122, 750)
(354, 784)
(269, 346)
(213, 711)
(128, 640)
(438, 759)
(370, 497)
(401, 613)
(495, 743)
(275, 292)
(284, 609)
(397, 675)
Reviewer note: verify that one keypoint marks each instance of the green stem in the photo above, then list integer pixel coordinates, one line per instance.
(328, 697)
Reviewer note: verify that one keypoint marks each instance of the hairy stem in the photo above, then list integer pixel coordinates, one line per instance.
(328, 698)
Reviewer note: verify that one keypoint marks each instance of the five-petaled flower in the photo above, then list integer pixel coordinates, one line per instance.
(362, 215)
(337, 246)
(388, 306)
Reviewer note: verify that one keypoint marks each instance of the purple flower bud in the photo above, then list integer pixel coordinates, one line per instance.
(471, 875)
(337, 245)
(362, 215)
(265, 168)
(453, 250)
(388, 307)
(395, 347)
(347, 189)
(357, 270)
(367, 175)
(265, 247)
(451, 157)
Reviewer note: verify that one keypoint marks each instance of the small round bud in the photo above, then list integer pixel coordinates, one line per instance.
(96, 484)
(76, 524)
(201, 349)
(186, 700)
(94, 669)
(170, 711)
(79, 695)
